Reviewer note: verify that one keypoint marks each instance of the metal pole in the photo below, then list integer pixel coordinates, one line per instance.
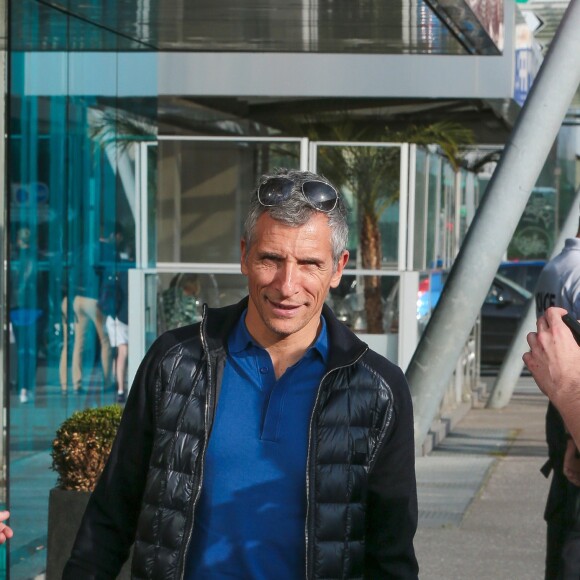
(512, 366)
(432, 365)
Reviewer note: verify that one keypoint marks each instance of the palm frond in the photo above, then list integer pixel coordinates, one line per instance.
(113, 126)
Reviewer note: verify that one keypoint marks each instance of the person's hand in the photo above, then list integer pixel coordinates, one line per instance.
(5, 531)
(554, 357)
(572, 463)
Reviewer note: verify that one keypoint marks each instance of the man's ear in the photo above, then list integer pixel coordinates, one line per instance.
(243, 265)
(337, 275)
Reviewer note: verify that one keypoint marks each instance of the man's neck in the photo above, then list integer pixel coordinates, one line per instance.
(284, 354)
(288, 350)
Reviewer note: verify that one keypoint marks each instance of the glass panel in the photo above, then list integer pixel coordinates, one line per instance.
(447, 215)
(462, 210)
(203, 195)
(348, 302)
(178, 297)
(536, 230)
(468, 201)
(71, 190)
(433, 247)
(421, 209)
(151, 161)
(350, 308)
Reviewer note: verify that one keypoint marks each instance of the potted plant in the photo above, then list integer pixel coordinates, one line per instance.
(79, 453)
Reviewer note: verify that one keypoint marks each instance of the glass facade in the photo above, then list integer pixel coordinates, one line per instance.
(71, 205)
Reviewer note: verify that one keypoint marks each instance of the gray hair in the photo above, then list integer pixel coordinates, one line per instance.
(296, 210)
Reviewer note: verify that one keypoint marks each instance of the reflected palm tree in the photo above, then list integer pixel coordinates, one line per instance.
(118, 133)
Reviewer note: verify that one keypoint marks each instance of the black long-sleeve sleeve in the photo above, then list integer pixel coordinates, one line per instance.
(109, 524)
(392, 494)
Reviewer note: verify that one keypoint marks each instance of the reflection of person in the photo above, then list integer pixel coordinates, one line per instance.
(310, 462)
(5, 531)
(559, 285)
(95, 260)
(25, 313)
(180, 301)
(117, 324)
(114, 303)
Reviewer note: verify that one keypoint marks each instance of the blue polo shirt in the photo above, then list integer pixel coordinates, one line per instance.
(251, 515)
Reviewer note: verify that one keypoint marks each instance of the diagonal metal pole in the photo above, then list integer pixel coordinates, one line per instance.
(432, 365)
(512, 366)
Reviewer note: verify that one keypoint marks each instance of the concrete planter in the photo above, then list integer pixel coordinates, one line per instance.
(65, 511)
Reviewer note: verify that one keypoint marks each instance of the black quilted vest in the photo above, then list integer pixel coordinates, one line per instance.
(352, 414)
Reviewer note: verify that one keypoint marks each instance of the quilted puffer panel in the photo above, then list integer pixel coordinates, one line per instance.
(170, 486)
(338, 560)
(340, 483)
(346, 444)
(178, 487)
(154, 563)
(165, 526)
(332, 518)
(349, 419)
(358, 400)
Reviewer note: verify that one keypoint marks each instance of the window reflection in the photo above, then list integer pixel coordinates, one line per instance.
(68, 191)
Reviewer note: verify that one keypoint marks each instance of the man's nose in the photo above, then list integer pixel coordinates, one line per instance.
(286, 278)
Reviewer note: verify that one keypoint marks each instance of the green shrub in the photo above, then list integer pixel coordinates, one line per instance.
(82, 445)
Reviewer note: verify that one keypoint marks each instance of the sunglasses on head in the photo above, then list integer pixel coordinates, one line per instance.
(319, 194)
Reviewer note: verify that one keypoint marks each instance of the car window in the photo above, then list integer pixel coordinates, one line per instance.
(503, 294)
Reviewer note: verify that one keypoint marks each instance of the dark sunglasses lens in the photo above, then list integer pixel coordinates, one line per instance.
(321, 195)
(275, 191)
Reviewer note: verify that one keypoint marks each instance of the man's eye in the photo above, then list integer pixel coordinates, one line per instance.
(269, 260)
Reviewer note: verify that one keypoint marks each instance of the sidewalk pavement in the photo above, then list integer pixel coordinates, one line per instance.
(482, 496)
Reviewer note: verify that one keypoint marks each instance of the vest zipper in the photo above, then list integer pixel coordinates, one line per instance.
(314, 409)
(208, 411)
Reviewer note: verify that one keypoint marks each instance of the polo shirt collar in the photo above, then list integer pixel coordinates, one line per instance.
(240, 338)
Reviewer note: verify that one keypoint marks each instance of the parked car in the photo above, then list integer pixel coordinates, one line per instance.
(523, 272)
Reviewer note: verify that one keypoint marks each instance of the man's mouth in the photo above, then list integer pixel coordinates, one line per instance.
(284, 307)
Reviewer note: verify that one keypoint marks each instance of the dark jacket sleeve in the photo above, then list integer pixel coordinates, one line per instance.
(392, 492)
(108, 526)
(557, 443)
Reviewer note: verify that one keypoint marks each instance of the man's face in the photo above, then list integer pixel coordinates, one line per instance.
(290, 272)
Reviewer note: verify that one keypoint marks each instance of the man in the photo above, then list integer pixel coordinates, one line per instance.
(267, 441)
(559, 285)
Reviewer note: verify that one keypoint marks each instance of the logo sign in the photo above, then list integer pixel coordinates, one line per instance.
(34, 193)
